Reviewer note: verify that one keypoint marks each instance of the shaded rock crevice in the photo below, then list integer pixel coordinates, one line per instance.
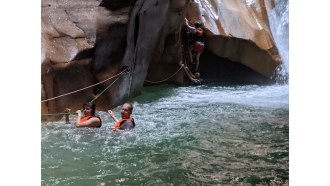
(110, 48)
(114, 5)
(223, 70)
(145, 26)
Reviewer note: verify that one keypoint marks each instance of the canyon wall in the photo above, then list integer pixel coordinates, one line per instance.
(107, 50)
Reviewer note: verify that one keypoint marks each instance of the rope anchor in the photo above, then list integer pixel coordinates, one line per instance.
(125, 69)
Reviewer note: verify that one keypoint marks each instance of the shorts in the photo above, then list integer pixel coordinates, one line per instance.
(198, 46)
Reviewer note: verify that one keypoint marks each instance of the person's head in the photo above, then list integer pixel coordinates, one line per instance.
(126, 110)
(89, 109)
(197, 75)
(198, 24)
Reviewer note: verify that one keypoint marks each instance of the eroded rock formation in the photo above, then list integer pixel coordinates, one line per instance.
(238, 30)
(86, 42)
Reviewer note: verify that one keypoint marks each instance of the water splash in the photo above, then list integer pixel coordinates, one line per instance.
(279, 25)
(193, 135)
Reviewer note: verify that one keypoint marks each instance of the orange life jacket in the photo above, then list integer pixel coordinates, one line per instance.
(89, 117)
(119, 123)
(85, 118)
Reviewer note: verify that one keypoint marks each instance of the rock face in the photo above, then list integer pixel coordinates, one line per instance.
(67, 28)
(238, 30)
(86, 42)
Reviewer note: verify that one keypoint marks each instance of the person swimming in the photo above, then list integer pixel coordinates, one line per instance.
(126, 122)
(89, 117)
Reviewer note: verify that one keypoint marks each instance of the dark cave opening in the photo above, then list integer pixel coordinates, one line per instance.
(222, 70)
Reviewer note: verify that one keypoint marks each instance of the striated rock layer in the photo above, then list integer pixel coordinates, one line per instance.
(87, 42)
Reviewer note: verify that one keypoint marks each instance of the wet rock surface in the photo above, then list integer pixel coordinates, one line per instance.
(86, 42)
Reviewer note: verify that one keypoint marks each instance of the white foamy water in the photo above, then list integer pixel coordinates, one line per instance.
(194, 135)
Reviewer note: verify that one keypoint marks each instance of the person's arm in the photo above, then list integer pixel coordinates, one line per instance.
(113, 116)
(187, 24)
(78, 118)
(93, 122)
(67, 111)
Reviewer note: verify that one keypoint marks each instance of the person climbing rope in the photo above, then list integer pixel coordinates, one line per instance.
(126, 121)
(196, 47)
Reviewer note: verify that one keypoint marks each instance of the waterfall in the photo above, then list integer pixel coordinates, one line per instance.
(279, 25)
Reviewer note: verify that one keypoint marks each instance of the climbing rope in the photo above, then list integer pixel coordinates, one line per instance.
(188, 72)
(85, 87)
(118, 75)
(164, 79)
(105, 90)
(186, 67)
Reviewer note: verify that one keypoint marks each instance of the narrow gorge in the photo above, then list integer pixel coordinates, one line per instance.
(88, 45)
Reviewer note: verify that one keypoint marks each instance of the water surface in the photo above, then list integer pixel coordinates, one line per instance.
(193, 135)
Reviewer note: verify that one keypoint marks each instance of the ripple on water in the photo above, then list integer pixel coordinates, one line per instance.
(185, 136)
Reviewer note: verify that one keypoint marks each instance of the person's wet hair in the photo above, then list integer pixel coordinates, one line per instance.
(130, 106)
(91, 105)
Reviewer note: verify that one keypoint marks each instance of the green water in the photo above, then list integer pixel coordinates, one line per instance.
(193, 135)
